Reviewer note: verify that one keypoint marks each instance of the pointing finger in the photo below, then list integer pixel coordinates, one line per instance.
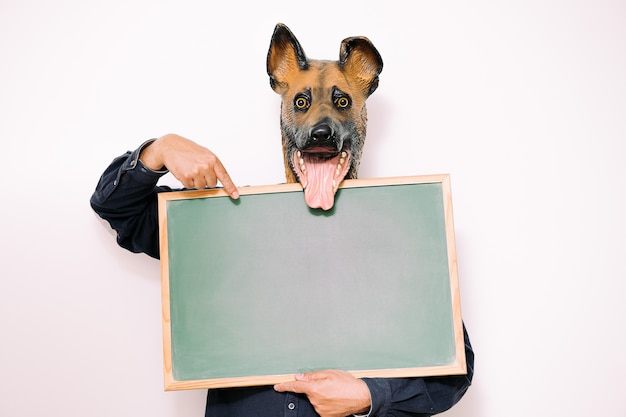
(226, 181)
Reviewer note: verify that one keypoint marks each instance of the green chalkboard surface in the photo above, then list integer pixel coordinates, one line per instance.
(258, 289)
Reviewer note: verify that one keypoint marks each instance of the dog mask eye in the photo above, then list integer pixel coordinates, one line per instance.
(301, 103)
(342, 102)
(340, 99)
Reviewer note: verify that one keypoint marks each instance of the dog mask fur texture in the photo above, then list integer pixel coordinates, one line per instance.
(323, 116)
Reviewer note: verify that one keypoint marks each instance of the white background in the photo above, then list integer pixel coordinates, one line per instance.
(523, 103)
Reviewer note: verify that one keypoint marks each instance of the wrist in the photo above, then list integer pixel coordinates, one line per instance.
(366, 406)
(150, 155)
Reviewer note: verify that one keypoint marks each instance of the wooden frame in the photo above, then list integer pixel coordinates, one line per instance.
(189, 289)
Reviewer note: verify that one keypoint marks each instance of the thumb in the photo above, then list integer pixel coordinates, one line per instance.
(291, 386)
(299, 385)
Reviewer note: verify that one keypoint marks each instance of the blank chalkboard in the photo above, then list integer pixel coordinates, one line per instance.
(263, 287)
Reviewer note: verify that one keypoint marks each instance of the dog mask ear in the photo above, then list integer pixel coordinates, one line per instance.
(284, 57)
(359, 57)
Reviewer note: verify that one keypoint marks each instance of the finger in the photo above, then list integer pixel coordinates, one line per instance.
(187, 183)
(190, 183)
(192, 180)
(226, 181)
(302, 377)
(314, 376)
(200, 182)
(210, 181)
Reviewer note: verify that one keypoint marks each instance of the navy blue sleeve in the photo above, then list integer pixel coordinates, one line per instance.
(126, 197)
(420, 397)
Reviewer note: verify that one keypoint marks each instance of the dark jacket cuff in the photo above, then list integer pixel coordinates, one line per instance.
(380, 394)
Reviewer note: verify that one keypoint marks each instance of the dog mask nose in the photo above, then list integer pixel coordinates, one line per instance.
(322, 135)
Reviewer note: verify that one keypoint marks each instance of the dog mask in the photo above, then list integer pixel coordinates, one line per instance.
(323, 116)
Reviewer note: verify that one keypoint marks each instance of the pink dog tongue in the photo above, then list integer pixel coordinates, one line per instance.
(320, 191)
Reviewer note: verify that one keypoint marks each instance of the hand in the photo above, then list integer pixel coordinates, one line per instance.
(332, 393)
(193, 165)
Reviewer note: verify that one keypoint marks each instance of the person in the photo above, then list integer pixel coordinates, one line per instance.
(126, 196)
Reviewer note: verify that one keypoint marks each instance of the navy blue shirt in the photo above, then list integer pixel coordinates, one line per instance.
(126, 196)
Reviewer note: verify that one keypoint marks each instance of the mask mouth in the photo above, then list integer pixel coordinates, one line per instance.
(320, 170)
